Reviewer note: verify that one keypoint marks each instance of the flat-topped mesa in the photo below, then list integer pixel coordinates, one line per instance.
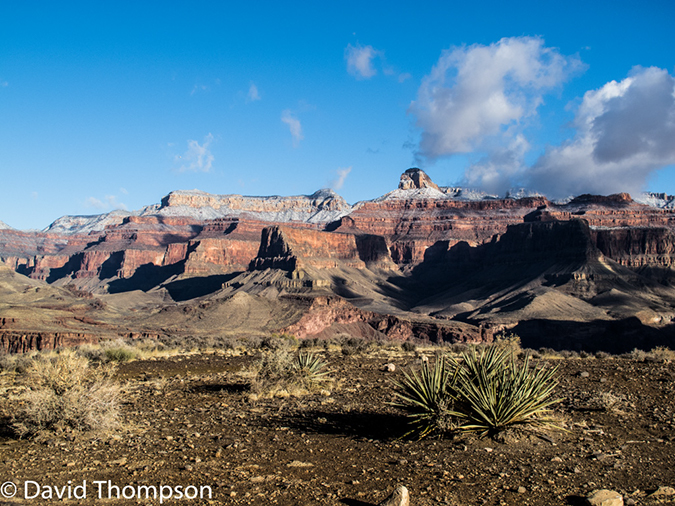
(322, 206)
(290, 249)
(416, 179)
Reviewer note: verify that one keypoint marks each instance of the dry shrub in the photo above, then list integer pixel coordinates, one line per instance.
(280, 372)
(16, 362)
(661, 354)
(65, 391)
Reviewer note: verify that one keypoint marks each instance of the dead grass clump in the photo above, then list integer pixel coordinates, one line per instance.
(661, 354)
(16, 362)
(409, 346)
(66, 392)
(610, 402)
(508, 341)
(279, 342)
(636, 354)
(355, 346)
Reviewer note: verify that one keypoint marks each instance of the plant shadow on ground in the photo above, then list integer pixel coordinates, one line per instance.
(576, 500)
(366, 425)
(6, 430)
(230, 388)
(356, 502)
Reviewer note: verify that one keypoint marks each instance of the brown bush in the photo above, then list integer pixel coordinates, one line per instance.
(65, 391)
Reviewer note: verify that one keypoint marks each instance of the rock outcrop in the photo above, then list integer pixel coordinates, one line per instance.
(414, 178)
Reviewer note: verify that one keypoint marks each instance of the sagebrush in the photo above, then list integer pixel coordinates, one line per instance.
(66, 392)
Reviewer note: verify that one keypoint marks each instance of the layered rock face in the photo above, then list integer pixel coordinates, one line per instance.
(293, 249)
(195, 233)
(320, 207)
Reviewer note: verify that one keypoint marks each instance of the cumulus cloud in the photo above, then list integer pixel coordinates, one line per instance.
(478, 95)
(498, 171)
(360, 60)
(109, 202)
(624, 132)
(197, 158)
(342, 174)
(294, 126)
(253, 95)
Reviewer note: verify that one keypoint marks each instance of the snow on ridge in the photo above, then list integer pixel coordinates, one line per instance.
(320, 207)
(323, 206)
(660, 200)
(454, 193)
(4, 226)
(85, 224)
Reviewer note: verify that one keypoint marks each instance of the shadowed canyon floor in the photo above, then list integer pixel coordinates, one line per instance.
(189, 420)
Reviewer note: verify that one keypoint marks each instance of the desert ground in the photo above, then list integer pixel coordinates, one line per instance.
(191, 418)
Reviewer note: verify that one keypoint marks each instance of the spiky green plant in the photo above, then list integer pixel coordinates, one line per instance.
(309, 369)
(428, 398)
(485, 391)
(494, 392)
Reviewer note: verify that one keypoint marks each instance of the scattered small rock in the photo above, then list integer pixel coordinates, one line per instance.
(604, 497)
(389, 367)
(584, 374)
(663, 493)
(522, 490)
(297, 463)
(398, 497)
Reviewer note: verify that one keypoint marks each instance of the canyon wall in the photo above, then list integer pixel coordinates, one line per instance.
(416, 222)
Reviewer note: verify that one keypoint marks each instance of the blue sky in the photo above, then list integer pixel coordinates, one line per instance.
(108, 105)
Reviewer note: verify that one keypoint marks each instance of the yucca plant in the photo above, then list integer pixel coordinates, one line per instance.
(428, 397)
(485, 391)
(494, 392)
(309, 369)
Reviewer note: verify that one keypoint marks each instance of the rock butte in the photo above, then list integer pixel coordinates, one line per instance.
(441, 263)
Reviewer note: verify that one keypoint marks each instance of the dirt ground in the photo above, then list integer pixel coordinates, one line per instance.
(189, 421)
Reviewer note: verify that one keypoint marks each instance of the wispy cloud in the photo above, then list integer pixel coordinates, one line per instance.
(339, 181)
(360, 60)
(197, 88)
(197, 158)
(253, 95)
(624, 132)
(293, 125)
(404, 77)
(109, 202)
(3, 83)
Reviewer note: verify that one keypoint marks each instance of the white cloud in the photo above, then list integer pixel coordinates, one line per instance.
(342, 174)
(497, 172)
(477, 95)
(253, 95)
(625, 131)
(360, 60)
(110, 202)
(197, 158)
(294, 126)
